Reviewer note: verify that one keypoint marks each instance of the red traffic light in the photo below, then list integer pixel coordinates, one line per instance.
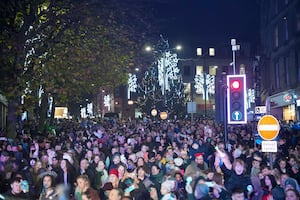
(235, 85)
(236, 99)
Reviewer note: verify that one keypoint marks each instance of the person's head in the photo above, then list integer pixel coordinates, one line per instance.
(101, 165)
(96, 159)
(113, 177)
(83, 182)
(167, 186)
(121, 170)
(84, 164)
(55, 161)
(291, 183)
(48, 182)
(115, 194)
(282, 163)
(140, 161)
(239, 166)
(265, 170)
(269, 181)
(4, 156)
(199, 158)
(221, 146)
(38, 165)
(116, 158)
(291, 194)
(256, 161)
(238, 194)
(155, 169)
(15, 185)
(142, 171)
(89, 154)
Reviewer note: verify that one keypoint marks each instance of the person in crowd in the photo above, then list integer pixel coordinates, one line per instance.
(238, 194)
(122, 170)
(113, 177)
(18, 190)
(101, 174)
(48, 190)
(157, 177)
(167, 190)
(115, 194)
(143, 174)
(85, 169)
(83, 186)
(66, 176)
(197, 167)
(291, 194)
(291, 183)
(283, 166)
(234, 173)
(272, 189)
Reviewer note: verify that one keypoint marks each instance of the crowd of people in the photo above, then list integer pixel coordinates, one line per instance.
(146, 159)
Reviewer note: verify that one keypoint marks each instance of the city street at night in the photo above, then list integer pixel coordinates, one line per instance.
(150, 100)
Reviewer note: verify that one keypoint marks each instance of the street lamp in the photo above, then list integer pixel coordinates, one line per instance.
(235, 47)
(211, 53)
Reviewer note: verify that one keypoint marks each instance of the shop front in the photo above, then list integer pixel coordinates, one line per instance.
(283, 106)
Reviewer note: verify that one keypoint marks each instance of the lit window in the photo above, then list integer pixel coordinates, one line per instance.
(199, 70)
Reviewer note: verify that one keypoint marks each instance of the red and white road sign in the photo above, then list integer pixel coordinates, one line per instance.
(268, 127)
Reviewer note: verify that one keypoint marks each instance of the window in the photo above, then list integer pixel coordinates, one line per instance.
(286, 71)
(286, 28)
(276, 42)
(199, 69)
(276, 70)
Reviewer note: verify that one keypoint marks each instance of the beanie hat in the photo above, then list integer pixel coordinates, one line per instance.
(293, 183)
(198, 154)
(114, 171)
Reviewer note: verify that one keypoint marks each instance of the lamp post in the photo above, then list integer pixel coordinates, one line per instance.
(211, 53)
(235, 47)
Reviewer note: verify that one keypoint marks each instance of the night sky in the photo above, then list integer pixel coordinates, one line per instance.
(197, 22)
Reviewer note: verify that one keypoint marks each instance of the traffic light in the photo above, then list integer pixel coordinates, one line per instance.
(236, 99)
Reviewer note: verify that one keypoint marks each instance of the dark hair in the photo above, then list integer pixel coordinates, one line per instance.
(237, 190)
(272, 179)
(52, 179)
(15, 179)
(156, 165)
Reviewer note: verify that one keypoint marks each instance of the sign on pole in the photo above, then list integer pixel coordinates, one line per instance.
(191, 107)
(269, 146)
(268, 127)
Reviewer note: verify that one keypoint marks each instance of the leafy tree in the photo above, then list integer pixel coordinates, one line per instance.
(67, 49)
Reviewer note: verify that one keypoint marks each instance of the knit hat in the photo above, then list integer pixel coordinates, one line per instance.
(198, 154)
(114, 171)
(292, 182)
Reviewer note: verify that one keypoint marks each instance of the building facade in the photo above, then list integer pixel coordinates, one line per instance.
(278, 66)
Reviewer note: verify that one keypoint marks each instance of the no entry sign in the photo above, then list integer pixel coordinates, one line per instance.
(268, 127)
